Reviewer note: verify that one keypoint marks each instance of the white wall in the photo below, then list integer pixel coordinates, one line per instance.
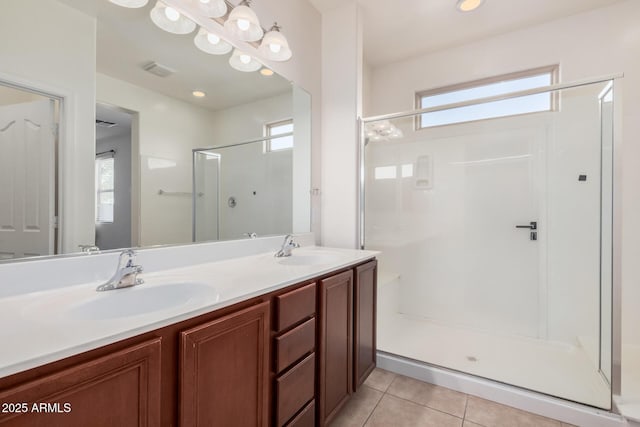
(56, 54)
(598, 42)
(167, 131)
(342, 104)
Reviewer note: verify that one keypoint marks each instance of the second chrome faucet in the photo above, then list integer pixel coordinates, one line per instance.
(287, 246)
(126, 275)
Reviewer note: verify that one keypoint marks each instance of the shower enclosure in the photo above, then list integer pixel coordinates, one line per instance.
(243, 188)
(496, 238)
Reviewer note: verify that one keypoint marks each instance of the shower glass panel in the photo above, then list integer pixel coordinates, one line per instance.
(496, 244)
(242, 189)
(206, 189)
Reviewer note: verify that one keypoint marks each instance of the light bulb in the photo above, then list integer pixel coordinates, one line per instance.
(171, 14)
(243, 24)
(213, 39)
(245, 59)
(468, 5)
(275, 48)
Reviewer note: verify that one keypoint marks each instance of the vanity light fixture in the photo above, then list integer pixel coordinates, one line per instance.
(211, 43)
(211, 8)
(198, 94)
(244, 62)
(243, 23)
(468, 5)
(132, 4)
(170, 20)
(275, 46)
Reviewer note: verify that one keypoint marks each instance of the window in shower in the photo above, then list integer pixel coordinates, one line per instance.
(494, 86)
(283, 127)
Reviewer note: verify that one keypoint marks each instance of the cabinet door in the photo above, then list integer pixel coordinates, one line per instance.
(224, 373)
(364, 328)
(335, 344)
(120, 389)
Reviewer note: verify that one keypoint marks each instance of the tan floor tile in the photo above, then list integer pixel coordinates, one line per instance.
(491, 414)
(396, 412)
(440, 398)
(380, 379)
(567, 425)
(358, 408)
(466, 423)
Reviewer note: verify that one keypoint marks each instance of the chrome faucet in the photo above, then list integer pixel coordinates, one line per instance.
(126, 275)
(287, 246)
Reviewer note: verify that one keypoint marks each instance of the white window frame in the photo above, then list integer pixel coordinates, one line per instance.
(552, 70)
(105, 156)
(267, 134)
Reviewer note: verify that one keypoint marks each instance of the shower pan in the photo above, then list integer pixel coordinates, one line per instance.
(496, 239)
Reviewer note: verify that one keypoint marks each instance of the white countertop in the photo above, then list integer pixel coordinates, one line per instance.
(44, 326)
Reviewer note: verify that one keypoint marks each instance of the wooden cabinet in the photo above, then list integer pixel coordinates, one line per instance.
(335, 344)
(224, 373)
(294, 357)
(119, 389)
(364, 326)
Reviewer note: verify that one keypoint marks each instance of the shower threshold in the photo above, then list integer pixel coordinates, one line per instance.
(560, 370)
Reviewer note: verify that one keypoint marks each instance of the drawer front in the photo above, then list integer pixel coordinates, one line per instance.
(306, 418)
(294, 389)
(291, 346)
(295, 306)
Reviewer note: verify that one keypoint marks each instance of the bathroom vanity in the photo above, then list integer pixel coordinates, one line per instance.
(288, 353)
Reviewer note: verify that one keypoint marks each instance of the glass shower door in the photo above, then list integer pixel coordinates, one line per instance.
(206, 189)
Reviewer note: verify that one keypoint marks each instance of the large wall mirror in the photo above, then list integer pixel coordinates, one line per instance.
(187, 148)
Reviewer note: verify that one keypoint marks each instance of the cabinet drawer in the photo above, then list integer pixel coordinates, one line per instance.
(306, 417)
(294, 389)
(294, 344)
(295, 306)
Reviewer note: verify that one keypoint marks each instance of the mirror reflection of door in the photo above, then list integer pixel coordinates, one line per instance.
(28, 139)
(113, 177)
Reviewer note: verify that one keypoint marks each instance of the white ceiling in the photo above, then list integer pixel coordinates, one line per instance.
(127, 39)
(399, 29)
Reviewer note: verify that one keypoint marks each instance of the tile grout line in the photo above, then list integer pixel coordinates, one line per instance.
(374, 408)
(466, 403)
(426, 406)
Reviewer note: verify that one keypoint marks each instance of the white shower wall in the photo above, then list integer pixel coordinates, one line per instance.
(460, 260)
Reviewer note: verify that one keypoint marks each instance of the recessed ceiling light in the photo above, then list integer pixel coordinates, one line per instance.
(266, 72)
(198, 94)
(468, 5)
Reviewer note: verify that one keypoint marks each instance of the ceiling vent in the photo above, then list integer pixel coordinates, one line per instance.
(105, 124)
(158, 69)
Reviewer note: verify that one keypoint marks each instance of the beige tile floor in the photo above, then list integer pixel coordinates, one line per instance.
(391, 400)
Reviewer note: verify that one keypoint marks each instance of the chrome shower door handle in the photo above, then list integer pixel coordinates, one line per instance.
(533, 225)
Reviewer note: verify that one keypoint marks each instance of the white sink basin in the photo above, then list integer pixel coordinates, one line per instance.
(142, 299)
(313, 258)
